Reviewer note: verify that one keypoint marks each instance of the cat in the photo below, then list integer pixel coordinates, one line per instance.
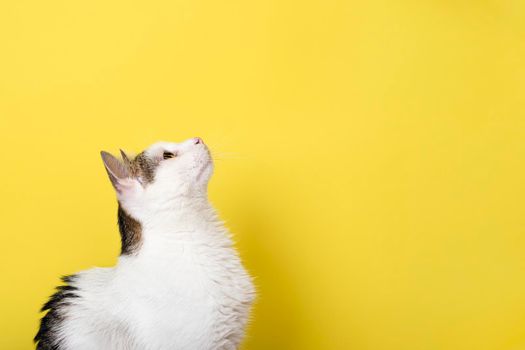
(178, 282)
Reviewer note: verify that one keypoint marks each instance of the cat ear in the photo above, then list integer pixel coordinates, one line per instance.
(118, 173)
(125, 157)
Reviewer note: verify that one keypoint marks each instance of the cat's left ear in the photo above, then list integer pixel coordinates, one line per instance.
(125, 158)
(118, 173)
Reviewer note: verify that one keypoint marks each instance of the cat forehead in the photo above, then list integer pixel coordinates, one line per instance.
(159, 147)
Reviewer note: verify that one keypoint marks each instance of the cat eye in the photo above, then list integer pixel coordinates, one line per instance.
(168, 155)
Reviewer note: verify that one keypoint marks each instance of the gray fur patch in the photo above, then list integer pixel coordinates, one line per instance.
(130, 232)
(143, 167)
(47, 337)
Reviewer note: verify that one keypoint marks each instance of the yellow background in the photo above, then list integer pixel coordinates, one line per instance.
(370, 156)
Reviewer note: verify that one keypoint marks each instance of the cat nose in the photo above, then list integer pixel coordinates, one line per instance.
(197, 140)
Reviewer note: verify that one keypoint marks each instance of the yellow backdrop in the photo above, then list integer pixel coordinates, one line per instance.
(370, 157)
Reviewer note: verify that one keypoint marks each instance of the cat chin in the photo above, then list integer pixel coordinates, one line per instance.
(205, 172)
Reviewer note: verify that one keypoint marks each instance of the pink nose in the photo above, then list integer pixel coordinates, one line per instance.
(197, 140)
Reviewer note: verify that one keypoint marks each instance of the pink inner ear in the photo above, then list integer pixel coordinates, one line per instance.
(125, 185)
(114, 165)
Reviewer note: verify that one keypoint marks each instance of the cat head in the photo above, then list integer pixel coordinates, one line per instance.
(162, 172)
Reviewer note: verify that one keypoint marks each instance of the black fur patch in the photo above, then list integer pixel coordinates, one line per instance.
(47, 336)
(130, 232)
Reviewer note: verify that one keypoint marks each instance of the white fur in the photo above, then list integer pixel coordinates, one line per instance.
(185, 287)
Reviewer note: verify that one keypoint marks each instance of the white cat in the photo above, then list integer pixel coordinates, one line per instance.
(178, 283)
